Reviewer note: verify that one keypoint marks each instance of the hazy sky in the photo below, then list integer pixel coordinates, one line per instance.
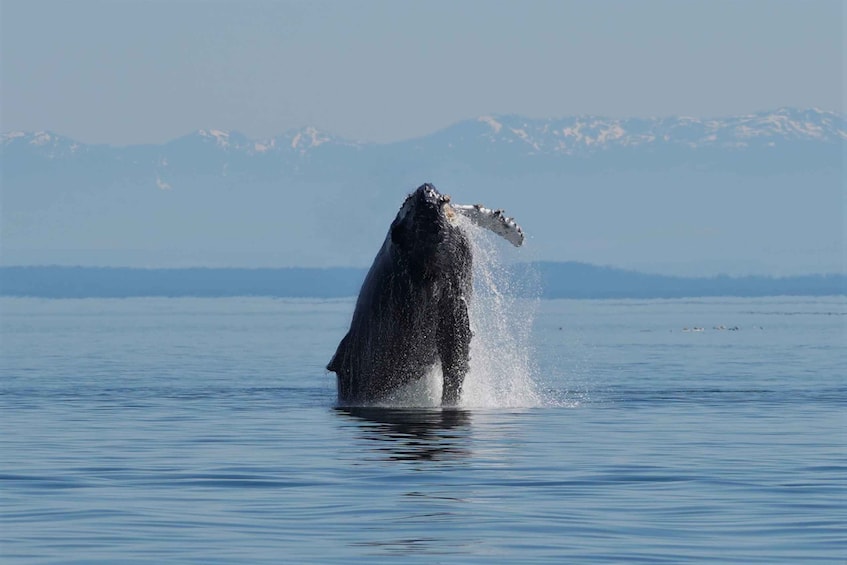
(147, 71)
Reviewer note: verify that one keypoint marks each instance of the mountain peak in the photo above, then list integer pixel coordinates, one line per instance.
(48, 143)
(308, 137)
(37, 138)
(221, 137)
(492, 123)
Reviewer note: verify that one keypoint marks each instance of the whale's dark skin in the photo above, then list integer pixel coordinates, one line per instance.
(412, 309)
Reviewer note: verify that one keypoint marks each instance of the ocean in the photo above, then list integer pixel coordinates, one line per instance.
(189, 430)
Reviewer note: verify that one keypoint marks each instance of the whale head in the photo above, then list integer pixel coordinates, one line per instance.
(422, 219)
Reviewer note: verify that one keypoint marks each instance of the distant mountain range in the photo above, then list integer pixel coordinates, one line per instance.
(758, 193)
(572, 141)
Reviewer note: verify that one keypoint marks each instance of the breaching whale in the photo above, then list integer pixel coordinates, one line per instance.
(412, 310)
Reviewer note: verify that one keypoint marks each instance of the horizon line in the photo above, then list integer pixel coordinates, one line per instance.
(628, 270)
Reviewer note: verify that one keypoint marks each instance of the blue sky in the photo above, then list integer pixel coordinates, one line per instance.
(147, 71)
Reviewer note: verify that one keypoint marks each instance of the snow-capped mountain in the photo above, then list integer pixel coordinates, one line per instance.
(587, 134)
(473, 140)
(45, 143)
(298, 141)
(205, 151)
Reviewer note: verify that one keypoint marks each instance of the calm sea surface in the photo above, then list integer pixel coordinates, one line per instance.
(206, 431)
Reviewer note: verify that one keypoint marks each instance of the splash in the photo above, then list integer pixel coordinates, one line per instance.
(501, 313)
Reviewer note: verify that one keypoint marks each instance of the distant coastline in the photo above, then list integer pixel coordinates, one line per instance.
(555, 280)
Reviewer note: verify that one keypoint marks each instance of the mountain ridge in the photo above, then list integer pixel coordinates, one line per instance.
(588, 131)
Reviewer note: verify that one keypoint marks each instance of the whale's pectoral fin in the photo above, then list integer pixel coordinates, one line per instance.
(337, 365)
(337, 361)
(493, 220)
(454, 339)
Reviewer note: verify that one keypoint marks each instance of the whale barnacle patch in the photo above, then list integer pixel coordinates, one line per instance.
(449, 211)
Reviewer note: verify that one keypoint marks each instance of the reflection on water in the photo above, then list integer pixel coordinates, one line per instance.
(425, 439)
(413, 434)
